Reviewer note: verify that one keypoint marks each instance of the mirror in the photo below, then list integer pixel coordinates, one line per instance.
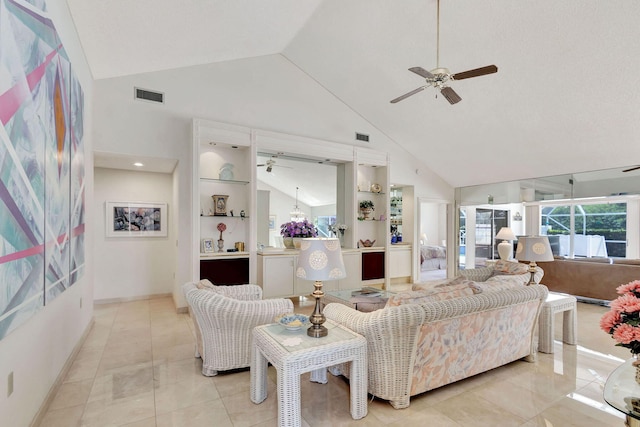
(286, 183)
(610, 185)
(601, 183)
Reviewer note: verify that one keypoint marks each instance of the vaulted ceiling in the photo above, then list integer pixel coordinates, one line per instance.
(565, 98)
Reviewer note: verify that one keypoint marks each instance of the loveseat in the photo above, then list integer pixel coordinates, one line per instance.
(224, 318)
(426, 343)
(590, 278)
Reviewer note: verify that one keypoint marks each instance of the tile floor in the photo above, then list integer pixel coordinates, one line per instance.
(136, 369)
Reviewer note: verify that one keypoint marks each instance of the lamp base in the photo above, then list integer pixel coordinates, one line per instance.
(317, 318)
(505, 250)
(532, 270)
(317, 331)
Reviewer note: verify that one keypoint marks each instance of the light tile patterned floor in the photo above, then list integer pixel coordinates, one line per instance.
(136, 368)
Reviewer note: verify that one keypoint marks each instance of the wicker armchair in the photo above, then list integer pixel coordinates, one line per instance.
(224, 317)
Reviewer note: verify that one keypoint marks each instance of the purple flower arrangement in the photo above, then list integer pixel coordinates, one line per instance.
(298, 229)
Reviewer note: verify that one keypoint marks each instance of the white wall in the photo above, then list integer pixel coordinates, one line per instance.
(130, 267)
(280, 97)
(38, 349)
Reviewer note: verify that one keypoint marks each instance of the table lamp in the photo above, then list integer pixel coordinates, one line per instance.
(318, 260)
(505, 248)
(532, 249)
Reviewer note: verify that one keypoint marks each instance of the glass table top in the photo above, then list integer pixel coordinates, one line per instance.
(347, 294)
(621, 390)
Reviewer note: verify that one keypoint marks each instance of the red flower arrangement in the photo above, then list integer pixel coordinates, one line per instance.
(622, 322)
(221, 228)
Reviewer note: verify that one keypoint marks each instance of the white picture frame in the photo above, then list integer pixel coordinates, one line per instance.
(136, 219)
(207, 246)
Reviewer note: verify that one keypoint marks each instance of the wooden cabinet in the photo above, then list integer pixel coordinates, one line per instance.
(225, 271)
(373, 265)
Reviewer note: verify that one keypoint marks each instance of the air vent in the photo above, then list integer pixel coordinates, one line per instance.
(362, 137)
(147, 95)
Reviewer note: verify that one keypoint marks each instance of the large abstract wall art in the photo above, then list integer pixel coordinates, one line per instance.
(42, 190)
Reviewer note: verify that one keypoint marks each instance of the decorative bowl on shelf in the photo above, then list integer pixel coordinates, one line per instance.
(367, 243)
(293, 321)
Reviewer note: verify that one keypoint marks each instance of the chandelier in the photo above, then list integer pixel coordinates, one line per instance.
(296, 213)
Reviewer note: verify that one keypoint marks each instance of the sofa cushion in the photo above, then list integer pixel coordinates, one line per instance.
(433, 294)
(503, 282)
(509, 267)
(477, 274)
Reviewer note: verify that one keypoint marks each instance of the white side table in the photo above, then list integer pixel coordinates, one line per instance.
(294, 353)
(557, 303)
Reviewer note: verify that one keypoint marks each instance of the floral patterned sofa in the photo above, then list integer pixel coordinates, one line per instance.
(434, 336)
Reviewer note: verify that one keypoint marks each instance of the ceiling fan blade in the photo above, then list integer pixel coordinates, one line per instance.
(631, 169)
(406, 95)
(422, 72)
(477, 72)
(450, 95)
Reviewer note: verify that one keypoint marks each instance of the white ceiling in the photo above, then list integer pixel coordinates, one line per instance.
(564, 100)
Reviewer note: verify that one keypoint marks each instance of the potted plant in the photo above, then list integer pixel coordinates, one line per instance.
(293, 230)
(366, 207)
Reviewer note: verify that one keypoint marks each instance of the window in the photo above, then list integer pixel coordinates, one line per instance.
(598, 230)
(323, 223)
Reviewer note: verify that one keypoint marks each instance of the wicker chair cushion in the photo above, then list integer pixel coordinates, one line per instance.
(433, 294)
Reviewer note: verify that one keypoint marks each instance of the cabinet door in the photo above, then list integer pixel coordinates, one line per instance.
(277, 279)
(352, 264)
(372, 265)
(224, 271)
(400, 262)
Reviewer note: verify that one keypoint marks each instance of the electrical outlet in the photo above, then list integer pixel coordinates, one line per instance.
(10, 384)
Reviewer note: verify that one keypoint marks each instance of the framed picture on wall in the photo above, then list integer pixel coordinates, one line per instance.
(272, 222)
(136, 219)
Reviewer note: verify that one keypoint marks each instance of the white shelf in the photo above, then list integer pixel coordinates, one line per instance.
(225, 181)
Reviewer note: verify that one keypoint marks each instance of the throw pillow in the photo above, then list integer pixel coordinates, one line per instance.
(503, 282)
(509, 267)
(205, 284)
(430, 295)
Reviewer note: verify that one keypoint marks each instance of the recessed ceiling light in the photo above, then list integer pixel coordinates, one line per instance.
(138, 164)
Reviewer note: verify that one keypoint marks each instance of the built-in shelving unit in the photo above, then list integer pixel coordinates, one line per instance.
(225, 164)
(224, 160)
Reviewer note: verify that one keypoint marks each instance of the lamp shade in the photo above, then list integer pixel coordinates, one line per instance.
(505, 233)
(320, 259)
(534, 248)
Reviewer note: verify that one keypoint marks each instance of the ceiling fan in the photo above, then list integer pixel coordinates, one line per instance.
(438, 77)
(631, 169)
(270, 163)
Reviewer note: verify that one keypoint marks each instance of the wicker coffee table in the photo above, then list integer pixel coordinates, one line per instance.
(294, 353)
